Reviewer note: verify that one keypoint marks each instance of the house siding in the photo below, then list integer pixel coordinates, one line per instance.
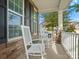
(3, 21)
(29, 17)
(14, 49)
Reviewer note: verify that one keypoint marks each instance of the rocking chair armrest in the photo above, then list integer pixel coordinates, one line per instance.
(41, 45)
(37, 41)
(36, 44)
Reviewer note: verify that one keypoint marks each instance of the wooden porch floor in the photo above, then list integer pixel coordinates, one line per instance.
(55, 51)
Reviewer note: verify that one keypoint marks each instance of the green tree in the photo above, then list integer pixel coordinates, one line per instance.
(74, 7)
(71, 28)
(51, 20)
(66, 19)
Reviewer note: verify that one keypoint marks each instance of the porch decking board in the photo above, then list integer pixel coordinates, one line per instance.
(55, 51)
(3, 52)
(15, 50)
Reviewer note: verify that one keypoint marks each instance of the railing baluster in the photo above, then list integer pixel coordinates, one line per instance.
(74, 46)
(77, 46)
(70, 42)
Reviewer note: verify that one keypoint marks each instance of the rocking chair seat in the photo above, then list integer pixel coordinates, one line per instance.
(35, 49)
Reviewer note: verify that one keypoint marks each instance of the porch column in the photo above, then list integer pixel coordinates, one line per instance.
(60, 27)
(60, 19)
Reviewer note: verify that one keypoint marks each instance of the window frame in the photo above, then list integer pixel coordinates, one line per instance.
(17, 6)
(35, 21)
(13, 26)
(12, 11)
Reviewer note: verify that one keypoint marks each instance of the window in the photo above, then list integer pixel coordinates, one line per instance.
(35, 17)
(35, 14)
(15, 18)
(16, 5)
(14, 25)
(34, 22)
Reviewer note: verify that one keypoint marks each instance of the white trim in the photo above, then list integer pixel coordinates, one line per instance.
(34, 21)
(45, 6)
(7, 20)
(14, 12)
(14, 39)
(60, 19)
(23, 14)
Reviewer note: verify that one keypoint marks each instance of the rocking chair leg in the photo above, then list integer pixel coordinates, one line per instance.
(42, 57)
(27, 56)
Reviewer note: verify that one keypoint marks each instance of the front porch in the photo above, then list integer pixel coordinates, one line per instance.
(68, 49)
(55, 51)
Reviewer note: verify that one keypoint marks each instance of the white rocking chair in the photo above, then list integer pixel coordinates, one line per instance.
(44, 35)
(35, 49)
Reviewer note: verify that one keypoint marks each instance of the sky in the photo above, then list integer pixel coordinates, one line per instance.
(41, 19)
(74, 16)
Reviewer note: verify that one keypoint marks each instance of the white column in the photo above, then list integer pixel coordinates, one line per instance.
(60, 19)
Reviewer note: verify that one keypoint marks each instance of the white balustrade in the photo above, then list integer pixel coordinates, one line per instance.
(70, 42)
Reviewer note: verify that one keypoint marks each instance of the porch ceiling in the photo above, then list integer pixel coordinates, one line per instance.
(51, 5)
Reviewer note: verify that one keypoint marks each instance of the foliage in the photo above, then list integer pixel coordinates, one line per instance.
(71, 28)
(51, 20)
(74, 7)
(66, 19)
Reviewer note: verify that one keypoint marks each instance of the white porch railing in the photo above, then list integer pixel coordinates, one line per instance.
(70, 42)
